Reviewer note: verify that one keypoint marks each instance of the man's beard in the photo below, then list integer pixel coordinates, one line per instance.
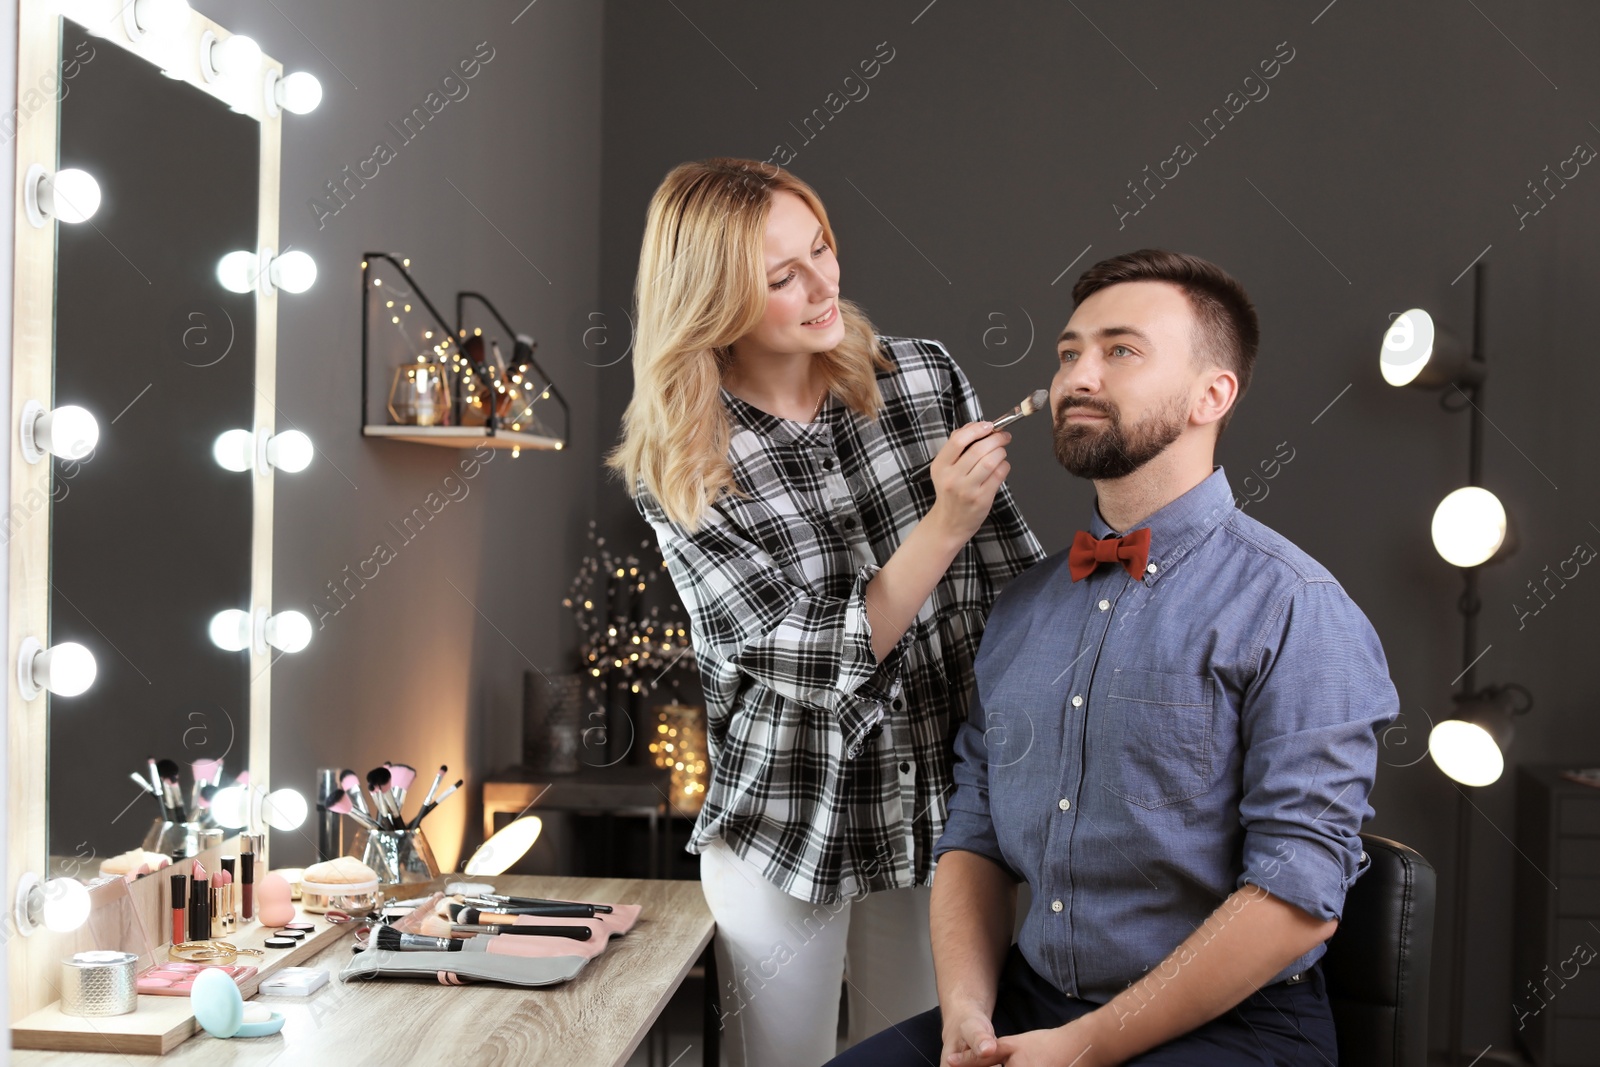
(1104, 451)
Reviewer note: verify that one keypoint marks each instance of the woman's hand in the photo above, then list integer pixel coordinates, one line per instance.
(966, 474)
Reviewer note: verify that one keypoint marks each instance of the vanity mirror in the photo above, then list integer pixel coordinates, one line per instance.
(144, 441)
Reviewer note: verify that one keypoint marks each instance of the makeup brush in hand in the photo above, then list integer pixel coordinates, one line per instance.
(1038, 400)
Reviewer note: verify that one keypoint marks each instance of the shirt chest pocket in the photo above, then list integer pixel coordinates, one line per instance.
(1157, 737)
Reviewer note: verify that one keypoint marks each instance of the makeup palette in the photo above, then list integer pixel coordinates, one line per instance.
(177, 979)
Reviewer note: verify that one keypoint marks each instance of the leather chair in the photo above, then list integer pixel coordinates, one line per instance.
(1378, 960)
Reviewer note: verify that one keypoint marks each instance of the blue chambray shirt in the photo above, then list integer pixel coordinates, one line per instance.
(1138, 749)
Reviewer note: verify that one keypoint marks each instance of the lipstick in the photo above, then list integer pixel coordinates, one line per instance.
(180, 917)
(199, 904)
(247, 880)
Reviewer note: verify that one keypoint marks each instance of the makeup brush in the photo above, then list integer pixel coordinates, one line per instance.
(339, 804)
(171, 791)
(401, 775)
(144, 786)
(434, 788)
(434, 926)
(378, 780)
(155, 777)
(426, 808)
(500, 900)
(554, 909)
(1038, 400)
(352, 785)
(469, 916)
(388, 939)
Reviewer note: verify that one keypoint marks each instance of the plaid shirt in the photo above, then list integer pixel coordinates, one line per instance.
(828, 769)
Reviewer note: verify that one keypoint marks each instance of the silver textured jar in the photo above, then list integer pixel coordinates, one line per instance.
(99, 983)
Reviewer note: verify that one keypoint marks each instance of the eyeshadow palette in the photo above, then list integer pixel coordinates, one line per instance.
(177, 979)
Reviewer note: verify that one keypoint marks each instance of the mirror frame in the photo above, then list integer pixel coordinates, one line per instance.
(33, 959)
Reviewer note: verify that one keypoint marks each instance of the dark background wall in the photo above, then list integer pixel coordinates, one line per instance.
(978, 177)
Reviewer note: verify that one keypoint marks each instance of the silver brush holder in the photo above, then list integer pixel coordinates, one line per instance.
(398, 856)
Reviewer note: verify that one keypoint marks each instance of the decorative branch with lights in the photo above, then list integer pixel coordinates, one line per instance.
(622, 641)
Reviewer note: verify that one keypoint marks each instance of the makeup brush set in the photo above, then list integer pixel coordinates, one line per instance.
(477, 934)
(386, 788)
(184, 827)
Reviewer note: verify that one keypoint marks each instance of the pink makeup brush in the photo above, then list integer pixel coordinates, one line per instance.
(401, 775)
(339, 803)
(352, 786)
(378, 784)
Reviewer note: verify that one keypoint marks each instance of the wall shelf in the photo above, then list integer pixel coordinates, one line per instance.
(484, 386)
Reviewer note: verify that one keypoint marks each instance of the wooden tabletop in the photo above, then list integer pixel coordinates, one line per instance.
(596, 1019)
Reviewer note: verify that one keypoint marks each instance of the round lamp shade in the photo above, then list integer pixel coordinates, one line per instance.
(505, 848)
(1469, 526)
(1407, 347)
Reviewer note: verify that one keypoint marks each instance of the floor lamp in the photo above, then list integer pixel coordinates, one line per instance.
(1470, 529)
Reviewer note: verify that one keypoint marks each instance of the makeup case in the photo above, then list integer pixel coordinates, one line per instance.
(459, 968)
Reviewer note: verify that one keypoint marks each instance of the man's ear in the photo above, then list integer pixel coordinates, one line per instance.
(1221, 390)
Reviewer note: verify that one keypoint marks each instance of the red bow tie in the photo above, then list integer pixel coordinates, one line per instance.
(1087, 553)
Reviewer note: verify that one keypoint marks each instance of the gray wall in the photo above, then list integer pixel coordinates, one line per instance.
(412, 669)
(989, 153)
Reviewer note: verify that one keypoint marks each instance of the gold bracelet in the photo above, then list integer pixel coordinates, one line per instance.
(219, 953)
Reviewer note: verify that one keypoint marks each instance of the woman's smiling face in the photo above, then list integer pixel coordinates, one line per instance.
(802, 281)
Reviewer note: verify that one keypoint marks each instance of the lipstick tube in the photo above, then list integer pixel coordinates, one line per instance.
(180, 915)
(199, 909)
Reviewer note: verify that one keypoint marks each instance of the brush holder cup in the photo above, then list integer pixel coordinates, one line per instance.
(399, 856)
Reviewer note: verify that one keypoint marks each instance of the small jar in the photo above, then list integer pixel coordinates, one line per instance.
(354, 897)
(99, 983)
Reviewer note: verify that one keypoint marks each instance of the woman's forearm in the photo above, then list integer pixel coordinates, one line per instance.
(903, 584)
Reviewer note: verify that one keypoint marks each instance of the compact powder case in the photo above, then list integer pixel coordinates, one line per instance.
(281, 942)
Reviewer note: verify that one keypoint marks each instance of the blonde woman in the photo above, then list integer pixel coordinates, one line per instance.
(832, 510)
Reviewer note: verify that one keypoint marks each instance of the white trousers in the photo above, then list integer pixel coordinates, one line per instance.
(780, 960)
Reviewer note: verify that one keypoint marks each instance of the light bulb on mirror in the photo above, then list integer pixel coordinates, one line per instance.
(1469, 527)
(293, 272)
(290, 451)
(69, 432)
(66, 669)
(70, 195)
(161, 18)
(230, 806)
(237, 272)
(229, 57)
(235, 450)
(299, 92)
(60, 905)
(288, 631)
(283, 809)
(230, 630)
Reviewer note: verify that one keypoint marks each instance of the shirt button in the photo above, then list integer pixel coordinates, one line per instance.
(905, 768)
(849, 524)
(827, 464)
(1077, 701)
(1104, 604)
(1055, 905)
(1150, 569)
(1065, 804)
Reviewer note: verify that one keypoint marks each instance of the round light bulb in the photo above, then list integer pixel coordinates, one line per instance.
(68, 431)
(288, 631)
(293, 272)
(1466, 752)
(70, 195)
(230, 806)
(230, 630)
(290, 451)
(298, 92)
(67, 669)
(161, 17)
(235, 450)
(236, 272)
(66, 904)
(284, 809)
(1469, 526)
(235, 55)
(510, 844)
(1407, 347)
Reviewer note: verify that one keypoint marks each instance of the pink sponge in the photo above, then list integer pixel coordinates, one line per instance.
(273, 904)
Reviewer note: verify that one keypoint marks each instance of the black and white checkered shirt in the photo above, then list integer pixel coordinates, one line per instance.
(828, 769)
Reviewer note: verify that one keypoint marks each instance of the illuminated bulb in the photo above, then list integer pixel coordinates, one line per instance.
(1466, 752)
(231, 57)
(70, 195)
(60, 905)
(237, 272)
(299, 92)
(496, 855)
(68, 431)
(230, 630)
(230, 806)
(66, 669)
(283, 809)
(1469, 526)
(288, 631)
(290, 451)
(160, 17)
(293, 272)
(235, 450)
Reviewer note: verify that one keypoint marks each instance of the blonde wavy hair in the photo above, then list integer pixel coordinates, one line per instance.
(702, 286)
